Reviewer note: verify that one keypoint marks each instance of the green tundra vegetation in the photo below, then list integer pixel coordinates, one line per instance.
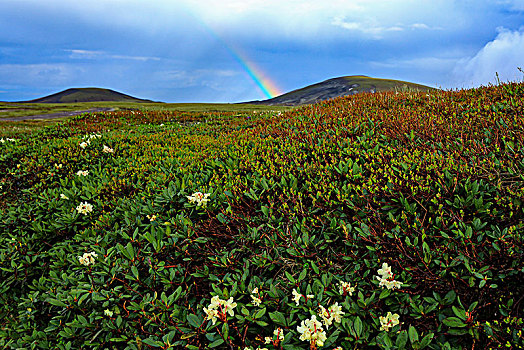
(391, 220)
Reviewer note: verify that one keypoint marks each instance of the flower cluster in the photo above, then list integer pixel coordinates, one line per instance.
(296, 296)
(311, 330)
(58, 166)
(107, 149)
(345, 288)
(82, 172)
(199, 198)
(87, 259)
(108, 313)
(2, 140)
(63, 196)
(151, 217)
(254, 297)
(84, 208)
(88, 139)
(386, 278)
(333, 313)
(219, 308)
(390, 320)
(279, 336)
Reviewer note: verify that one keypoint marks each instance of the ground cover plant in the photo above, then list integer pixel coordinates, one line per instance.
(391, 220)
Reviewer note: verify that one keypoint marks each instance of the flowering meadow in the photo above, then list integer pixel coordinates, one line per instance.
(376, 221)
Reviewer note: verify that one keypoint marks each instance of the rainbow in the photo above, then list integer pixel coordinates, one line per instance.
(266, 85)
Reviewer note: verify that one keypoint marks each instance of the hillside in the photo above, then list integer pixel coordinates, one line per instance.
(374, 221)
(342, 86)
(87, 95)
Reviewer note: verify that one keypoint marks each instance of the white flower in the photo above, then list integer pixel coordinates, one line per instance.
(385, 271)
(219, 308)
(256, 300)
(82, 172)
(389, 284)
(199, 198)
(84, 144)
(108, 312)
(58, 166)
(279, 333)
(333, 313)
(63, 196)
(345, 287)
(84, 208)
(336, 312)
(151, 217)
(389, 321)
(338, 348)
(296, 296)
(311, 330)
(386, 278)
(267, 340)
(107, 149)
(87, 259)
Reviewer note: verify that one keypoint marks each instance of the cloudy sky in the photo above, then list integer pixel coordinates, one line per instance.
(239, 50)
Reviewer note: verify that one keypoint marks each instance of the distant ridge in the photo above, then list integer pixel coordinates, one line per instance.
(341, 86)
(87, 95)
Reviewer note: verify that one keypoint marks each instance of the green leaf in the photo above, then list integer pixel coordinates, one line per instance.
(385, 293)
(290, 277)
(450, 297)
(426, 340)
(119, 321)
(453, 322)
(303, 275)
(260, 313)
(413, 334)
(278, 318)
(134, 270)
(56, 302)
(153, 343)
(402, 339)
(459, 313)
(357, 325)
(225, 330)
(193, 320)
(216, 343)
(315, 268)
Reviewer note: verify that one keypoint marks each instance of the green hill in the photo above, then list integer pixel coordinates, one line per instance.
(87, 95)
(342, 86)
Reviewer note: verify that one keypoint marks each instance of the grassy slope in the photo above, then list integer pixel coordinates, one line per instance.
(75, 95)
(12, 109)
(365, 83)
(432, 184)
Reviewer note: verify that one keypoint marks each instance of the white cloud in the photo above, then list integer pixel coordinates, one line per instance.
(516, 5)
(85, 54)
(307, 18)
(92, 54)
(503, 55)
